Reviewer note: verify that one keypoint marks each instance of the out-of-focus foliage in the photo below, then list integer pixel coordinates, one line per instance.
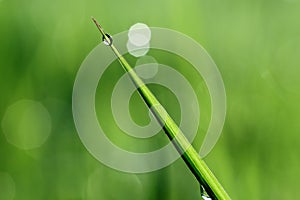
(256, 45)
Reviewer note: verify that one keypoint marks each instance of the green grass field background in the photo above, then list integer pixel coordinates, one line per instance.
(255, 44)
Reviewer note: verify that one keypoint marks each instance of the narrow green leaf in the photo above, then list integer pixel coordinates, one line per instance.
(191, 157)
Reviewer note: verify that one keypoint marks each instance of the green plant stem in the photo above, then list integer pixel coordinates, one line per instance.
(191, 157)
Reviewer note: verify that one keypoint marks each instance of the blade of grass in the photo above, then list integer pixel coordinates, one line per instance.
(191, 157)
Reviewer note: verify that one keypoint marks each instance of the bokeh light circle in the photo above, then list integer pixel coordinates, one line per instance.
(139, 34)
(26, 124)
(86, 84)
(148, 67)
(7, 186)
(138, 51)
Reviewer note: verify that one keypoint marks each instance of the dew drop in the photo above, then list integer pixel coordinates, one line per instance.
(205, 197)
(107, 43)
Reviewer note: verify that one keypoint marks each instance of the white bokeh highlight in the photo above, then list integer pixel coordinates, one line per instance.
(139, 36)
(137, 51)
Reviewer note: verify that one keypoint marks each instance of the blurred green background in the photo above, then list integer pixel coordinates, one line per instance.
(256, 45)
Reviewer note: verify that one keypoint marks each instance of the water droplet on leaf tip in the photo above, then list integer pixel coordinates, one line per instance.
(205, 197)
(108, 43)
